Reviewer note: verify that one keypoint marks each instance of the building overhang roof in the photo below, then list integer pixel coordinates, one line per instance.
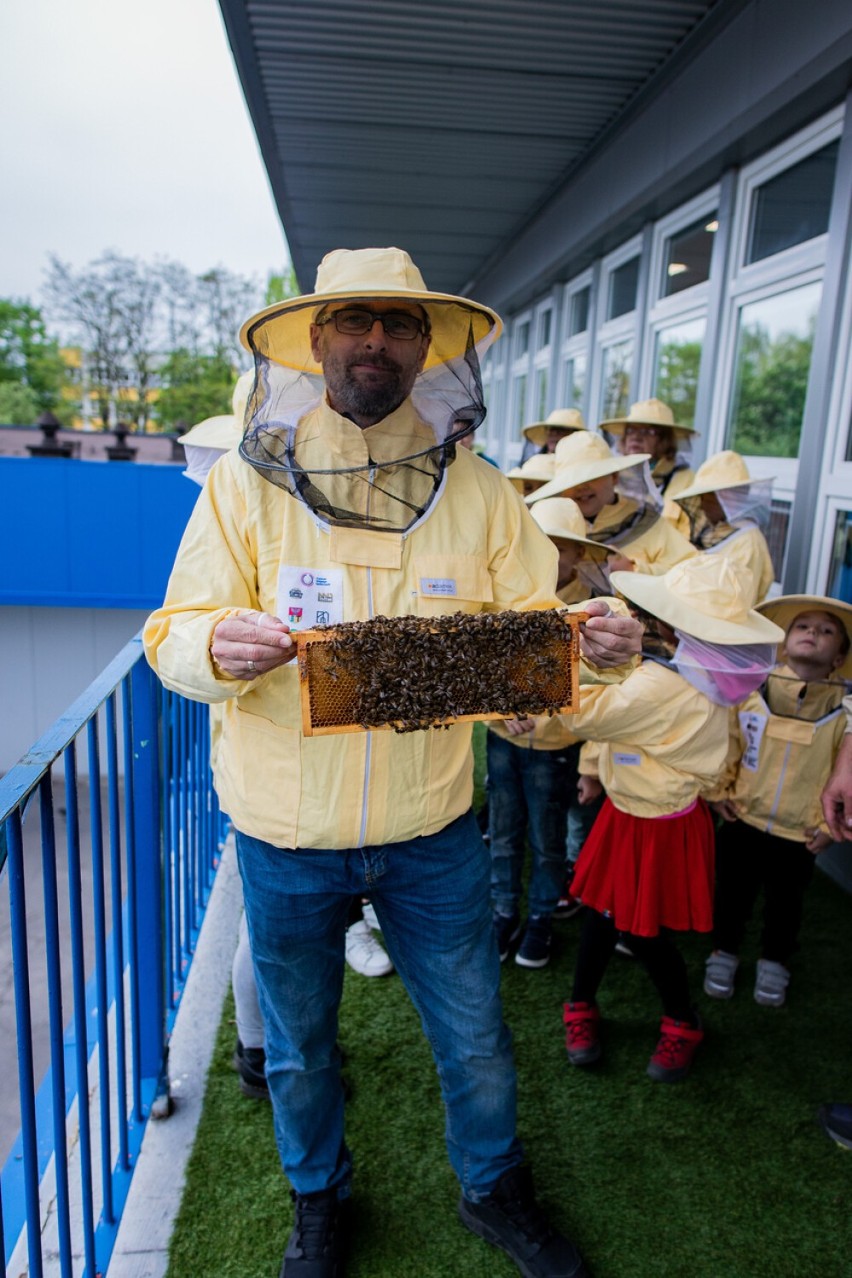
(440, 127)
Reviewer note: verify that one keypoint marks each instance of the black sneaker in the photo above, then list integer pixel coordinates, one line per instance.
(534, 950)
(250, 1064)
(319, 1241)
(836, 1122)
(507, 928)
(511, 1219)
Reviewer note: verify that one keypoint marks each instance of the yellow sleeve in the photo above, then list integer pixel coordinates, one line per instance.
(724, 787)
(589, 757)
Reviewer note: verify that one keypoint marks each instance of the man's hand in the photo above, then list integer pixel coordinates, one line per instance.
(607, 639)
(251, 644)
(837, 795)
(519, 727)
(726, 809)
(588, 789)
(817, 841)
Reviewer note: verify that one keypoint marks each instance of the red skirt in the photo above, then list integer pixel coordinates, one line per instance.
(646, 873)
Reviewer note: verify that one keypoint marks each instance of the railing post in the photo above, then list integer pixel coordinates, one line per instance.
(148, 871)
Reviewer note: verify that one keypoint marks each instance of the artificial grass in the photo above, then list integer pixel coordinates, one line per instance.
(725, 1175)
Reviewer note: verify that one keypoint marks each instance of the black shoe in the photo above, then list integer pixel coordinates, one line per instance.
(507, 928)
(836, 1122)
(319, 1241)
(250, 1064)
(511, 1219)
(534, 949)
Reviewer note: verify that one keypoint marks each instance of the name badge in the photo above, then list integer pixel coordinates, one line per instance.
(627, 760)
(752, 726)
(309, 597)
(443, 587)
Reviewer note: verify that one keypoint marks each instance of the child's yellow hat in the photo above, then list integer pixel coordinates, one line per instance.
(567, 419)
(706, 596)
(582, 457)
(785, 609)
(561, 517)
(540, 466)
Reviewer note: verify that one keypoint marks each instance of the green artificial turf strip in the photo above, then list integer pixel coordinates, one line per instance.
(725, 1175)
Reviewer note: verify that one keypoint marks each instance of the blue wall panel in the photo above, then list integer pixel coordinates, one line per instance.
(89, 533)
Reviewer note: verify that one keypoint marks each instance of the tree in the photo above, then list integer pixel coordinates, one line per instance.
(32, 371)
(194, 387)
(281, 285)
(91, 301)
(769, 396)
(19, 404)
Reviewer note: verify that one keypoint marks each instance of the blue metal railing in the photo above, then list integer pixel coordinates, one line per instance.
(123, 881)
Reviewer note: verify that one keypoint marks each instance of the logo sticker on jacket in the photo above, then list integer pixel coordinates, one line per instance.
(628, 760)
(442, 586)
(319, 595)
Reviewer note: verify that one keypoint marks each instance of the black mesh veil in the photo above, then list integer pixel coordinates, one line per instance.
(382, 477)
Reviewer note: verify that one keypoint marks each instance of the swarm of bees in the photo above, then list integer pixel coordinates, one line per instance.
(411, 673)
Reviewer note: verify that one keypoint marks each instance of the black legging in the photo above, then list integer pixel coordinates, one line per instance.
(659, 956)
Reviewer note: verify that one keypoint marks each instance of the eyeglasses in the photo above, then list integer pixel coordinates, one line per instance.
(356, 321)
(651, 431)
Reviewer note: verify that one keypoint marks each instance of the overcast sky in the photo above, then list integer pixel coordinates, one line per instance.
(123, 126)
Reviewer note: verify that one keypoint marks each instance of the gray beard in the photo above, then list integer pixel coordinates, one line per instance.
(364, 401)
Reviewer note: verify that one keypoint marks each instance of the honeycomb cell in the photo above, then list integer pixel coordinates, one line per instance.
(410, 673)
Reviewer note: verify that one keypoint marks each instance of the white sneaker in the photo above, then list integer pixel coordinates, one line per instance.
(770, 988)
(369, 912)
(364, 954)
(719, 972)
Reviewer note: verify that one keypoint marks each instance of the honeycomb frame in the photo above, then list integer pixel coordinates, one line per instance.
(329, 694)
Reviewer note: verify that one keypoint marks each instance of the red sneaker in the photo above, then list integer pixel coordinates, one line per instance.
(582, 1040)
(675, 1050)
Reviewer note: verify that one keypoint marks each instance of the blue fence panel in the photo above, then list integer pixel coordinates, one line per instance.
(106, 899)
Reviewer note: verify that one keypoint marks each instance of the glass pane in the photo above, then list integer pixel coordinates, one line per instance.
(617, 369)
(544, 329)
(541, 394)
(579, 320)
(776, 535)
(774, 342)
(520, 388)
(676, 360)
(574, 382)
(687, 258)
(522, 339)
(794, 206)
(622, 289)
(839, 584)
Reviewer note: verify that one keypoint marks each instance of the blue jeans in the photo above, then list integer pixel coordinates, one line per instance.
(431, 896)
(528, 796)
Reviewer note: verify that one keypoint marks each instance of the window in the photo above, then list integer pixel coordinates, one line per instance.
(771, 366)
(686, 260)
(839, 584)
(617, 372)
(573, 382)
(540, 405)
(520, 405)
(545, 324)
(522, 339)
(677, 358)
(578, 320)
(794, 206)
(623, 283)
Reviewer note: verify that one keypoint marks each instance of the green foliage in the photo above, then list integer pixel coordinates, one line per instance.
(19, 404)
(194, 387)
(29, 362)
(281, 286)
(769, 397)
(677, 378)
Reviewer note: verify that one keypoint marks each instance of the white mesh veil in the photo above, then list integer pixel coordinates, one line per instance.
(636, 486)
(725, 673)
(384, 477)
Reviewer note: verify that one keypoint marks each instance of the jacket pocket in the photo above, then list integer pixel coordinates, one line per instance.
(451, 583)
